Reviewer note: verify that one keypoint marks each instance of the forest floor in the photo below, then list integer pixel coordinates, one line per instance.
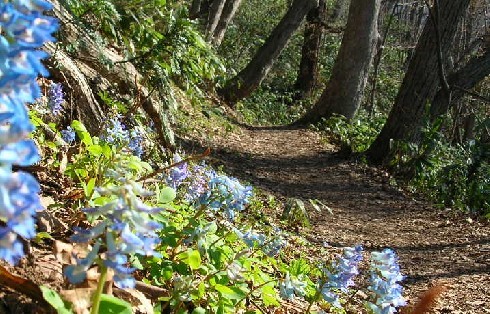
(435, 246)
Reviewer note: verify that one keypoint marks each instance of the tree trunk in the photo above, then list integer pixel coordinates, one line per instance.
(214, 16)
(475, 70)
(344, 90)
(252, 75)
(420, 82)
(195, 9)
(339, 11)
(227, 15)
(86, 75)
(308, 68)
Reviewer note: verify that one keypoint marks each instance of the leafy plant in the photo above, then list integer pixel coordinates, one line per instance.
(357, 134)
(452, 175)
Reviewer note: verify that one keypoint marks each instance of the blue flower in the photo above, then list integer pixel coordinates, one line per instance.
(384, 277)
(55, 98)
(251, 238)
(136, 143)
(24, 29)
(274, 246)
(227, 194)
(177, 174)
(115, 132)
(125, 228)
(11, 247)
(77, 273)
(68, 134)
(198, 185)
(341, 275)
(291, 287)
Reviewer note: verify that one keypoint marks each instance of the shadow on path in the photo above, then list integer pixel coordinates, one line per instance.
(432, 244)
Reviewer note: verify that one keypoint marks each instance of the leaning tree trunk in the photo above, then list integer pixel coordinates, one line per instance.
(252, 75)
(344, 90)
(473, 72)
(215, 12)
(308, 68)
(421, 81)
(231, 6)
(87, 75)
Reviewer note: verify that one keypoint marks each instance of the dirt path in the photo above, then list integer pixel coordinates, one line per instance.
(434, 245)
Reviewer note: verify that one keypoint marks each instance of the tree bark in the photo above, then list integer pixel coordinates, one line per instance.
(215, 12)
(339, 11)
(421, 81)
(231, 6)
(344, 90)
(308, 68)
(195, 9)
(87, 75)
(252, 75)
(474, 71)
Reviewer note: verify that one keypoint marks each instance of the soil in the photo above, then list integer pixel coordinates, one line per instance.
(435, 246)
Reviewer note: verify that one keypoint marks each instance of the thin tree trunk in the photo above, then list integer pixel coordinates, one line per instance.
(215, 11)
(195, 9)
(339, 11)
(252, 75)
(344, 90)
(421, 81)
(231, 6)
(308, 68)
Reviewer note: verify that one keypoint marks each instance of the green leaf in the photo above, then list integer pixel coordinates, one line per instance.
(101, 200)
(95, 150)
(55, 300)
(232, 293)
(42, 235)
(106, 150)
(78, 126)
(113, 305)
(167, 195)
(199, 310)
(51, 145)
(269, 295)
(89, 187)
(82, 132)
(81, 173)
(191, 258)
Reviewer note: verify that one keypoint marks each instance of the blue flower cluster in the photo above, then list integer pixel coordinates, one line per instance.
(226, 193)
(115, 133)
(136, 142)
(177, 174)
(207, 188)
(124, 228)
(68, 135)
(251, 238)
(270, 247)
(199, 178)
(291, 287)
(384, 278)
(275, 245)
(24, 29)
(341, 276)
(55, 98)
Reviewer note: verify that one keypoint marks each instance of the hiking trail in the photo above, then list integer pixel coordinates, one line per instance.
(434, 245)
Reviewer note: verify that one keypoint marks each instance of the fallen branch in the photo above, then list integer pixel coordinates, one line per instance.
(24, 286)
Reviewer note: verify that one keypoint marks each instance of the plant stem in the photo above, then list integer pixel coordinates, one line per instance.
(317, 295)
(98, 292)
